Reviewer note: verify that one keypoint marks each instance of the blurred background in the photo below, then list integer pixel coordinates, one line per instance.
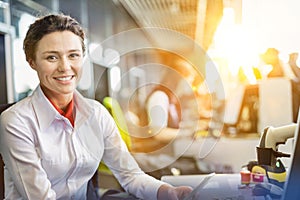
(238, 59)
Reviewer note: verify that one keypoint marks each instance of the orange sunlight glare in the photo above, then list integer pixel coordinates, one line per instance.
(236, 44)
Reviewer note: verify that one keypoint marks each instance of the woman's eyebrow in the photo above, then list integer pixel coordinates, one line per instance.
(74, 50)
(57, 52)
(46, 52)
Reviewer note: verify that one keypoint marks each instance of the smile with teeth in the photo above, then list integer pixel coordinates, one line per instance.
(65, 78)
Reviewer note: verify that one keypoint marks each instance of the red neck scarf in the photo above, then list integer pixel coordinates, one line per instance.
(69, 111)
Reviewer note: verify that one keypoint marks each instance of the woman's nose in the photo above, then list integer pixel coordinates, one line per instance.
(64, 65)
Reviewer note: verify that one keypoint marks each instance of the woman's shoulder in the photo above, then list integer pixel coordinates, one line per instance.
(89, 106)
(21, 105)
(17, 109)
(90, 103)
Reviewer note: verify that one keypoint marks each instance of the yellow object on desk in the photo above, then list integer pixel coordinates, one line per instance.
(201, 133)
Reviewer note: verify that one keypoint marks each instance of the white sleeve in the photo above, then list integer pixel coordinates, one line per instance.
(157, 109)
(123, 165)
(21, 158)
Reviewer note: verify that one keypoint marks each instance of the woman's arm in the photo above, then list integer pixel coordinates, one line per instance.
(22, 161)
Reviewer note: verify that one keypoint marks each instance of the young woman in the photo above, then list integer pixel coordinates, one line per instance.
(53, 141)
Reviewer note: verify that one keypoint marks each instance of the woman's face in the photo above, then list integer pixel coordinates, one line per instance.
(58, 62)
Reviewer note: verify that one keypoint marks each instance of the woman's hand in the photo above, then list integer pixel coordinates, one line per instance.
(167, 192)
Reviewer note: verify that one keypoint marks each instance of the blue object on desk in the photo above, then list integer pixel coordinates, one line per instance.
(264, 189)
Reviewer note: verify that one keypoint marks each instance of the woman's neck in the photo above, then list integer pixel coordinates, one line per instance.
(61, 103)
(60, 100)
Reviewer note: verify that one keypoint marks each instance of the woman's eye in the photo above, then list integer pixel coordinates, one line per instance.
(74, 55)
(52, 58)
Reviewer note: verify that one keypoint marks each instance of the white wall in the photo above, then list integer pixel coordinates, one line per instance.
(274, 23)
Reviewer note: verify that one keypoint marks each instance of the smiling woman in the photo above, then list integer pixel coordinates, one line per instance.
(60, 135)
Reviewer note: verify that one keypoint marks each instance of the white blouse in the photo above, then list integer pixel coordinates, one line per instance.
(46, 158)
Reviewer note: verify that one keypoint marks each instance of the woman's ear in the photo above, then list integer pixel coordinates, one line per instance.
(32, 64)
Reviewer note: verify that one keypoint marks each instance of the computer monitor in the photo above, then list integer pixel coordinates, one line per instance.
(291, 187)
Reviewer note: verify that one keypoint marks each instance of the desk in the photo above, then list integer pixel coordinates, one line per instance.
(235, 152)
(220, 186)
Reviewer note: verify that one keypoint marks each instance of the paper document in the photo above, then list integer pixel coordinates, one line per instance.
(193, 194)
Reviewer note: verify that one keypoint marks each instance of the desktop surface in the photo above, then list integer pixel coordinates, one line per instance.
(218, 187)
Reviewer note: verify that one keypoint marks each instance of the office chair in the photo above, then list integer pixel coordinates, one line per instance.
(2, 108)
(2, 178)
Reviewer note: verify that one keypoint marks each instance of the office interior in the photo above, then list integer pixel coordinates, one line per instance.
(226, 46)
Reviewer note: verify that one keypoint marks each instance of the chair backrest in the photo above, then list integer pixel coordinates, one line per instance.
(1, 178)
(2, 108)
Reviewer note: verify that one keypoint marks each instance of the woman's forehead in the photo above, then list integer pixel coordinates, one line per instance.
(60, 41)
